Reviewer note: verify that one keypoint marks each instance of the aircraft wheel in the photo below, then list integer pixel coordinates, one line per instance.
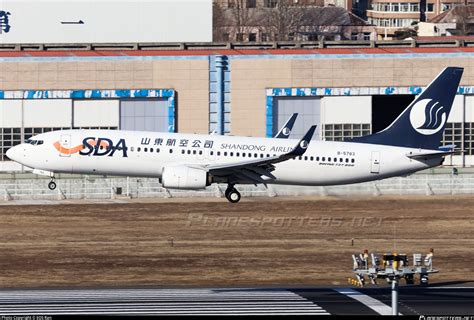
(424, 280)
(233, 195)
(52, 185)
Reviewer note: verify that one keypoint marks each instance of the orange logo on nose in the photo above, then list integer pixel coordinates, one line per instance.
(79, 148)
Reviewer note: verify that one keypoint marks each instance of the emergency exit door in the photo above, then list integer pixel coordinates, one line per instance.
(375, 166)
(65, 145)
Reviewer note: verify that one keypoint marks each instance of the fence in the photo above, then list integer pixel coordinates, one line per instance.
(116, 188)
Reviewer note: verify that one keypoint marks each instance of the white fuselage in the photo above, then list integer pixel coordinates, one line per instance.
(145, 154)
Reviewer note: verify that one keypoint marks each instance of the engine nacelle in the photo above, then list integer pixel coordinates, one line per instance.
(183, 177)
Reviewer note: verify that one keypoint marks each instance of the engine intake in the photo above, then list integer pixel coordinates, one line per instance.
(183, 177)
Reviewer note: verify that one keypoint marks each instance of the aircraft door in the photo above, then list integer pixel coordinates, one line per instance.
(66, 144)
(375, 164)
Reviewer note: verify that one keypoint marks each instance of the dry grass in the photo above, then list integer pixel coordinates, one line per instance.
(260, 241)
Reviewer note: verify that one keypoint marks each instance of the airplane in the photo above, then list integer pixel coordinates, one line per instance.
(191, 161)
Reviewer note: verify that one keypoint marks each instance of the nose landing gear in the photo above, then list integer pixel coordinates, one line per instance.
(232, 194)
(52, 184)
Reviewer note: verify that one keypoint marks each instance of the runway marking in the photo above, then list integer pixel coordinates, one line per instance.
(240, 301)
(456, 288)
(372, 303)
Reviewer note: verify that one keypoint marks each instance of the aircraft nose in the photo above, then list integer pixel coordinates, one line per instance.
(13, 153)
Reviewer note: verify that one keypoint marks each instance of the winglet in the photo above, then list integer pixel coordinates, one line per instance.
(285, 130)
(303, 144)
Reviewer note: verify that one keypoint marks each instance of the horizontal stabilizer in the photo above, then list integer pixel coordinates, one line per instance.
(428, 155)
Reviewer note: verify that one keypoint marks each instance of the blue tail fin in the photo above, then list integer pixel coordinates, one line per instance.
(421, 124)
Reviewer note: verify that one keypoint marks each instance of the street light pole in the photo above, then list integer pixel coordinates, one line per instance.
(395, 296)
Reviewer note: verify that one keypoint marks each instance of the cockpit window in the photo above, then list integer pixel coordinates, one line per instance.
(34, 142)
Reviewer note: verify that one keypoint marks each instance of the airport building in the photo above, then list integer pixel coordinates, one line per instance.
(346, 92)
(205, 87)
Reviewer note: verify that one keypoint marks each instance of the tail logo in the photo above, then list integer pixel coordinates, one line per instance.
(428, 116)
(285, 131)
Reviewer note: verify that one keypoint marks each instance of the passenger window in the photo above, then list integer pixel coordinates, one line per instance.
(183, 152)
(171, 150)
(218, 153)
(324, 159)
(238, 154)
(212, 153)
(189, 151)
(157, 149)
(131, 149)
(317, 158)
(225, 153)
(243, 154)
(151, 149)
(194, 151)
(200, 151)
(352, 160)
(347, 160)
(341, 160)
(138, 149)
(311, 158)
(300, 157)
(305, 158)
(231, 154)
(255, 155)
(268, 156)
(146, 150)
(329, 159)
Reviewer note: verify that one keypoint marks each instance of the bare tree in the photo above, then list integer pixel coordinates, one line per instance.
(464, 21)
(218, 22)
(284, 21)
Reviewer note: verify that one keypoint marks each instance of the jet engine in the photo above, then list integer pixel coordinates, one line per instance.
(183, 177)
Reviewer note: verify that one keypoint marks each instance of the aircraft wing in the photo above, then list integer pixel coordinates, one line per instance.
(253, 170)
(285, 131)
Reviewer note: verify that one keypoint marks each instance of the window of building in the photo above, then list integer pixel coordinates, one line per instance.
(251, 3)
(271, 3)
(429, 7)
(339, 132)
(240, 37)
(226, 36)
(252, 37)
(264, 37)
(453, 135)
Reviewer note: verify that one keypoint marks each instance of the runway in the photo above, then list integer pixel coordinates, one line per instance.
(238, 301)
(157, 301)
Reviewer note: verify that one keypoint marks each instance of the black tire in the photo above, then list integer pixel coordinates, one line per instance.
(52, 185)
(233, 196)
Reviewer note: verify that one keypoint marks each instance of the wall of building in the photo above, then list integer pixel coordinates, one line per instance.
(189, 77)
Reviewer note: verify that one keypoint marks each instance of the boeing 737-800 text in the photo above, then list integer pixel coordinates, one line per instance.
(189, 161)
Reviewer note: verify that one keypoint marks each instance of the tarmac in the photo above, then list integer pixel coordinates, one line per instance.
(448, 299)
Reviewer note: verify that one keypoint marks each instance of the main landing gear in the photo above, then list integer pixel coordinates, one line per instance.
(232, 194)
(52, 184)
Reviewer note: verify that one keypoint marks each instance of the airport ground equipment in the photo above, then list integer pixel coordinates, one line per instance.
(392, 267)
